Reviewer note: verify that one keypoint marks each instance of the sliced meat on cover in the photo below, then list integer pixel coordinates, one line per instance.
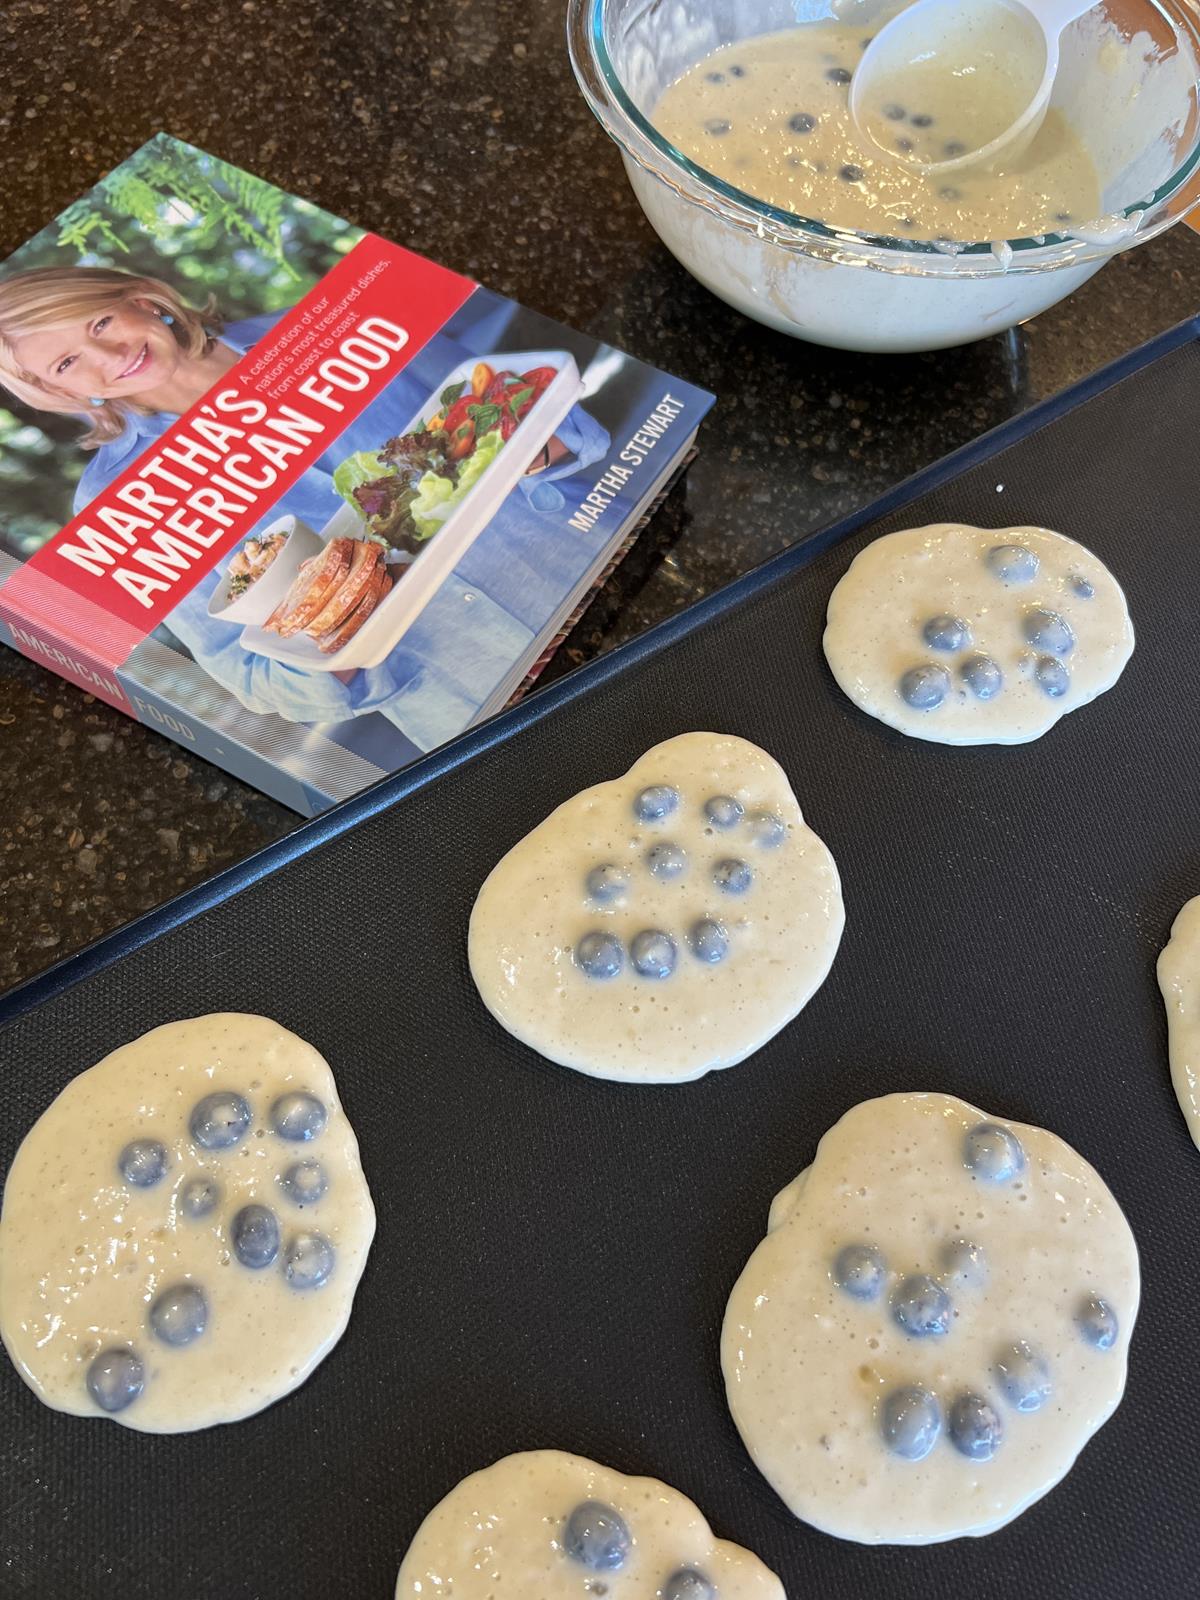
(340, 602)
(316, 581)
(379, 587)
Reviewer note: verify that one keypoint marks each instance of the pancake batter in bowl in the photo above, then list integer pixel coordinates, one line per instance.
(1179, 980)
(663, 924)
(771, 116)
(967, 635)
(184, 1228)
(935, 1325)
(548, 1526)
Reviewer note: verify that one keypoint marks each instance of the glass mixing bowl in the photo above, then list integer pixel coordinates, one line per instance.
(1128, 83)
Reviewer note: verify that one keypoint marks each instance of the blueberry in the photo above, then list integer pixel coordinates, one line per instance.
(179, 1314)
(839, 75)
(949, 192)
(717, 126)
(860, 1270)
(921, 120)
(1052, 677)
(1046, 630)
(653, 953)
(606, 883)
(974, 1426)
(1082, 588)
(993, 1153)
(1013, 563)
(925, 687)
(688, 1584)
(894, 113)
(298, 1117)
(709, 941)
(1097, 1322)
(666, 861)
(723, 811)
(850, 173)
(905, 147)
(308, 1261)
(767, 830)
(1063, 216)
(953, 149)
(802, 122)
(656, 802)
(921, 1306)
(596, 1537)
(714, 77)
(732, 877)
(115, 1378)
(737, 72)
(304, 1182)
(142, 1162)
(599, 955)
(255, 1235)
(1023, 1376)
(982, 677)
(219, 1121)
(964, 1263)
(198, 1197)
(911, 1422)
(945, 632)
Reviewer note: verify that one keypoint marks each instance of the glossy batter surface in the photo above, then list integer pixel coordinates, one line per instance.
(966, 635)
(935, 1325)
(1179, 980)
(184, 1228)
(771, 116)
(548, 1526)
(662, 924)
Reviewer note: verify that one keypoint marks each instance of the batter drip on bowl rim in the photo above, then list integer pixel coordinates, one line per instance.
(662, 924)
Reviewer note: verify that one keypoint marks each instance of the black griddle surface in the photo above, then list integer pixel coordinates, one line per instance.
(554, 1253)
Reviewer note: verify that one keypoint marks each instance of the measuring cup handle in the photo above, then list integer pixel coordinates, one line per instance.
(1055, 15)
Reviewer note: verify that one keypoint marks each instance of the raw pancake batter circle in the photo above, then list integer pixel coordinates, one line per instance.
(184, 1228)
(935, 1325)
(1179, 980)
(663, 924)
(543, 1525)
(967, 635)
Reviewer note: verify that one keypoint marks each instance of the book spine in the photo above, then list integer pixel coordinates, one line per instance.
(68, 660)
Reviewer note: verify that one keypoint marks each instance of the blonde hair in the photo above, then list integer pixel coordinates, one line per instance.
(47, 296)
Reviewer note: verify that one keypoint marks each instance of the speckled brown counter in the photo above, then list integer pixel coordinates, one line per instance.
(454, 128)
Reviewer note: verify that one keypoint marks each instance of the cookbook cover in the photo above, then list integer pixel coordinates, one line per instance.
(299, 498)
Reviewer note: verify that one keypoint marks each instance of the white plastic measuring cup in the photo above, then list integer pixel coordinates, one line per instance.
(950, 84)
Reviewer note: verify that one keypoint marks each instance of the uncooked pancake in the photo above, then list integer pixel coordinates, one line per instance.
(968, 635)
(184, 1228)
(547, 1526)
(935, 1325)
(663, 924)
(1179, 980)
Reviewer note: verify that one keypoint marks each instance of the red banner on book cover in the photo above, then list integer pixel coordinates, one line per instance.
(117, 570)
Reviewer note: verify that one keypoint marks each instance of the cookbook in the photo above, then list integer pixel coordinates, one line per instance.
(304, 501)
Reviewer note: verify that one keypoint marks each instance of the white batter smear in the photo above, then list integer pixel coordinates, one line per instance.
(967, 635)
(663, 924)
(935, 1325)
(1179, 980)
(184, 1228)
(549, 1526)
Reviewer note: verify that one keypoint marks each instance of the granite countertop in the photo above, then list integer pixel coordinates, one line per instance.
(457, 130)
